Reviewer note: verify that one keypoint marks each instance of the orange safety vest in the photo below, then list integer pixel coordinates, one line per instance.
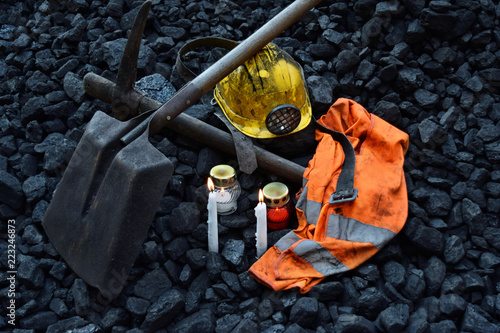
(335, 236)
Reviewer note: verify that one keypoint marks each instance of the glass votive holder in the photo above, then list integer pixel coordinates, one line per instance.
(278, 205)
(227, 188)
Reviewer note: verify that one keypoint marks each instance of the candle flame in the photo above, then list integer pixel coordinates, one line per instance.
(261, 196)
(210, 184)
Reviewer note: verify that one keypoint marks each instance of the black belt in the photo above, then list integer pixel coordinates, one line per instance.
(344, 191)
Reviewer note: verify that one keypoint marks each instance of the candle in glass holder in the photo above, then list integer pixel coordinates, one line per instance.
(278, 204)
(227, 188)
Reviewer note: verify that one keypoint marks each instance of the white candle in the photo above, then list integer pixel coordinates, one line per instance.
(261, 234)
(213, 236)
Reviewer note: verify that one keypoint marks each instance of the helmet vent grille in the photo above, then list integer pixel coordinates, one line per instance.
(283, 119)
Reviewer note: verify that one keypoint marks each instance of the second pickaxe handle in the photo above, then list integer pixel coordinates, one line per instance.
(101, 88)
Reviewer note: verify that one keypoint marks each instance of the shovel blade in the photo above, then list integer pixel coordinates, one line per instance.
(104, 205)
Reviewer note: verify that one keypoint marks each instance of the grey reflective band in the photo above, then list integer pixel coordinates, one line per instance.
(286, 241)
(309, 207)
(319, 258)
(344, 228)
(313, 253)
(352, 230)
(283, 119)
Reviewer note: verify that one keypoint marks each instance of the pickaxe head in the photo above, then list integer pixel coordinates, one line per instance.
(126, 98)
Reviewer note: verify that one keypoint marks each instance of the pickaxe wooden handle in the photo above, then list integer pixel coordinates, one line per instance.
(101, 88)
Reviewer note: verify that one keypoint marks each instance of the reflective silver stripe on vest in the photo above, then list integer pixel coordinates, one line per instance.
(319, 258)
(311, 251)
(286, 241)
(352, 230)
(309, 207)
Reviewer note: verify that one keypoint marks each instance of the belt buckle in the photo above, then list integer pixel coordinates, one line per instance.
(343, 196)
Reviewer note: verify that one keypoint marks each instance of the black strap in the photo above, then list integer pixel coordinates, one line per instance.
(247, 160)
(344, 191)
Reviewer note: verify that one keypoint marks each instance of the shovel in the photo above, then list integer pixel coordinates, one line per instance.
(104, 204)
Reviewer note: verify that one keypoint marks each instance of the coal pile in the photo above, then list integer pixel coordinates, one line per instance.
(431, 68)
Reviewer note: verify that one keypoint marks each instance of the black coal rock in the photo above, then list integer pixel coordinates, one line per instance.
(34, 188)
(351, 322)
(475, 319)
(415, 284)
(67, 324)
(203, 321)
(12, 193)
(163, 311)
(394, 318)
(215, 265)
(304, 312)
(394, 273)
(57, 152)
(233, 253)
(81, 298)
(39, 321)
(429, 68)
(184, 218)
(115, 317)
(152, 285)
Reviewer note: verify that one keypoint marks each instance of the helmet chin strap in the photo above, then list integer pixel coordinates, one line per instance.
(247, 160)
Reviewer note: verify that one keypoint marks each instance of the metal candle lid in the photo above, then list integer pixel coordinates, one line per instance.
(223, 175)
(276, 194)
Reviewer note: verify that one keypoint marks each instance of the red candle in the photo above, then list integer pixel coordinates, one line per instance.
(278, 218)
(278, 205)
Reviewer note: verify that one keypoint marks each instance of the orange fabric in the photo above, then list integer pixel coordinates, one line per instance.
(338, 231)
(287, 278)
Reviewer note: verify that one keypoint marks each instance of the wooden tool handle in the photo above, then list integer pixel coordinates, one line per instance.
(101, 88)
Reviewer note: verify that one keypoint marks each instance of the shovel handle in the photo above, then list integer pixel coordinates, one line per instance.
(196, 88)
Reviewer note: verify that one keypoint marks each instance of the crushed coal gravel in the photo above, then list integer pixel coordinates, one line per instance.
(430, 68)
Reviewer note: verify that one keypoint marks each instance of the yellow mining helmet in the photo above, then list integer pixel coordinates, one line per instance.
(266, 96)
